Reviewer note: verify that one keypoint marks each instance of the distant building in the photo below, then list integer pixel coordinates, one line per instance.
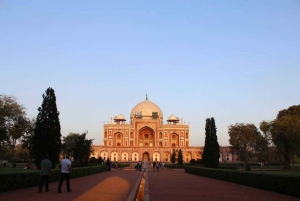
(146, 137)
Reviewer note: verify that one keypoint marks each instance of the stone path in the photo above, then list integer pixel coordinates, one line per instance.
(178, 185)
(114, 185)
(166, 185)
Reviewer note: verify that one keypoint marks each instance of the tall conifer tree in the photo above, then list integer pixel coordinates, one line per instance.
(206, 157)
(211, 151)
(215, 148)
(180, 157)
(46, 138)
(173, 157)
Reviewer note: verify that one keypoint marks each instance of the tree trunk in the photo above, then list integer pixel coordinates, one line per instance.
(287, 161)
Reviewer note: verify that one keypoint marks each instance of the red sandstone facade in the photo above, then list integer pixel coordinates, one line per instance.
(146, 137)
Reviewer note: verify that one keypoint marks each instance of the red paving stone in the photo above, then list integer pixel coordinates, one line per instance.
(178, 185)
(115, 185)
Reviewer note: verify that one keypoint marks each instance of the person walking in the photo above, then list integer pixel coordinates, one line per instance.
(154, 164)
(65, 173)
(45, 166)
(4, 163)
(108, 164)
(140, 165)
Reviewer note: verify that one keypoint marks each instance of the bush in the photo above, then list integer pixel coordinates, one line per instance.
(277, 183)
(196, 162)
(12, 181)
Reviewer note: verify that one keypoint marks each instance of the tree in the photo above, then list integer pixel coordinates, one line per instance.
(69, 144)
(173, 157)
(286, 136)
(180, 157)
(211, 152)
(293, 110)
(46, 138)
(13, 123)
(83, 149)
(243, 140)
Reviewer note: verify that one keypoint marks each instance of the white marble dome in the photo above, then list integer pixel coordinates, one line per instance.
(146, 107)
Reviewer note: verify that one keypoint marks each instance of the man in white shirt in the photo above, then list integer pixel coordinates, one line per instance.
(65, 173)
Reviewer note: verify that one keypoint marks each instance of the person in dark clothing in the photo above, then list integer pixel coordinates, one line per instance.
(45, 166)
(154, 164)
(108, 164)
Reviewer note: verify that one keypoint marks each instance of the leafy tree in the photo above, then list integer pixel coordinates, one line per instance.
(69, 144)
(243, 140)
(211, 152)
(286, 136)
(46, 138)
(13, 123)
(180, 157)
(173, 157)
(293, 110)
(83, 149)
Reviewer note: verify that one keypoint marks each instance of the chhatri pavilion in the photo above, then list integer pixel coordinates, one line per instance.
(147, 137)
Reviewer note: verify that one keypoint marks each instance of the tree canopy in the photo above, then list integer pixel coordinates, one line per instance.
(46, 138)
(243, 138)
(285, 132)
(82, 149)
(69, 144)
(13, 122)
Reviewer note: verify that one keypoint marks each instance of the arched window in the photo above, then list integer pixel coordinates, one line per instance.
(173, 144)
(146, 136)
(160, 135)
(186, 135)
(118, 144)
(173, 137)
(119, 136)
(160, 144)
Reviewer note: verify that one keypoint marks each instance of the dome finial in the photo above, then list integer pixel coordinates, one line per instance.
(146, 97)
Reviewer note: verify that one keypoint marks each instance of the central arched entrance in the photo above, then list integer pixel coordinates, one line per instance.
(146, 156)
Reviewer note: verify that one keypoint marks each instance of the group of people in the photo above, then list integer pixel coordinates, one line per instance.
(139, 166)
(109, 164)
(158, 165)
(45, 173)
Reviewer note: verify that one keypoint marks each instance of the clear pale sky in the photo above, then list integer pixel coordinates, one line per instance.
(236, 61)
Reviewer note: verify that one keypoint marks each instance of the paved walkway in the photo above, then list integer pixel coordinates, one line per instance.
(166, 185)
(114, 185)
(178, 185)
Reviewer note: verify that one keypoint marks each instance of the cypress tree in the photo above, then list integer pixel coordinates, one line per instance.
(173, 157)
(180, 157)
(215, 148)
(206, 157)
(46, 138)
(211, 151)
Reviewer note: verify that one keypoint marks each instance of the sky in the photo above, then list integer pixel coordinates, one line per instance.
(236, 61)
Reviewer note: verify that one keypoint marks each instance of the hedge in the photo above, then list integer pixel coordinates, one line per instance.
(174, 166)
(288, 185)
(12, 181)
